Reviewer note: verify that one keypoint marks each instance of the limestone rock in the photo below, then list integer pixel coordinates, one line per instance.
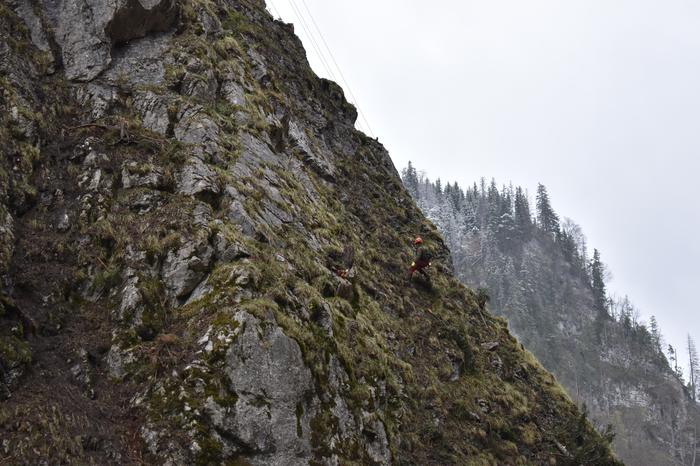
(185, 268)
(200, 85)
(154, 111)
(196, 179)
(309, 156)
(7, 239)
(25, 10)
(136, 175)
(22, 125)
(87, 29)
(118, 361)
(233, 93)
(260, 72)
(196, 128)
(255, 153)
(201, 216)
(321, 314)
(98, 97)
(131, 299)
(64, 222)
(80, 34)
(265, 368)
(145, 201)
(239, 216)
(140, 62)
(378, 445)
(136, 18)
(83, 374)
(228, 251)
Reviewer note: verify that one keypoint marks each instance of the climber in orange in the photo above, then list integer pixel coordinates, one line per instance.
(422, 259)
(345, 271)
(342, 263)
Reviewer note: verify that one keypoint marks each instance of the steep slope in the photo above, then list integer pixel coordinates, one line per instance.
(539, 277)
(177, 190)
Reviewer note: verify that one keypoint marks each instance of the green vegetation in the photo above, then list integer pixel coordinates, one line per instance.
(14, 352)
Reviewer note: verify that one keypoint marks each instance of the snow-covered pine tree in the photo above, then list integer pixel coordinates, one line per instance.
(410, 179)
(547, 219)
(522, 215)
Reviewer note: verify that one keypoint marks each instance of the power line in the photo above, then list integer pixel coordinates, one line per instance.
(352, 96)
(314, 43)
(274, 9)
(312, 39)
(319, 52)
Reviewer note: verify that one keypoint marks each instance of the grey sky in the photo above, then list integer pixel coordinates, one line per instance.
(598, 100)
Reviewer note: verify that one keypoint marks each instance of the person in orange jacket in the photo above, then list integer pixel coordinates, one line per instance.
(422, 259)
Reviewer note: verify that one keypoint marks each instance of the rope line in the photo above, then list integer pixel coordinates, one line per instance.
(314, 43)
(274, 9)
(325, 63)
(340, 71)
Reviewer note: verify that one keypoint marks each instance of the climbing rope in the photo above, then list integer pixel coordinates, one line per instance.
(311, 30)
(340, 71)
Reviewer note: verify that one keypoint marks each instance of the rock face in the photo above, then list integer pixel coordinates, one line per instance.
(184, 269)
(275, 395)
(86, 30)
(175, 186)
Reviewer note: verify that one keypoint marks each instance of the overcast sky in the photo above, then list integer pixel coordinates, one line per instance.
(598, 100)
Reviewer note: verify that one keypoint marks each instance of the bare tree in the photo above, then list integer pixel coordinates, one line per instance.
(692, 366)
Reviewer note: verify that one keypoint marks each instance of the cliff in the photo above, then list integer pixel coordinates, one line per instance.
(177, 190)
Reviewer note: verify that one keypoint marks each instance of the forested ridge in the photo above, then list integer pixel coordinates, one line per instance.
(540, 273)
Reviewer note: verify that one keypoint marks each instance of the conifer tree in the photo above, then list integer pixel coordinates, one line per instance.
(655, 333)
(598, 283)
(410, 180)
(523, 218)
(568, 247)
(573, 234)
(673, 359)
(456, 196)
(546, 217)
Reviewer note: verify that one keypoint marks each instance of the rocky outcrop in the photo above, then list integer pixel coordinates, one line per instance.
(133, 19)
(173, 205)
(7, 239)
(276, 399)
(185, 268)
(198, 129)
(86, 30)
(197, 179)
(154, 111)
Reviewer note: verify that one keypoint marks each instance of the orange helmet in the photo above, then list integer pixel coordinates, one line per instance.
(418, 240)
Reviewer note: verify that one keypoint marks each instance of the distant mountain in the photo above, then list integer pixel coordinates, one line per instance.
(540, 276)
